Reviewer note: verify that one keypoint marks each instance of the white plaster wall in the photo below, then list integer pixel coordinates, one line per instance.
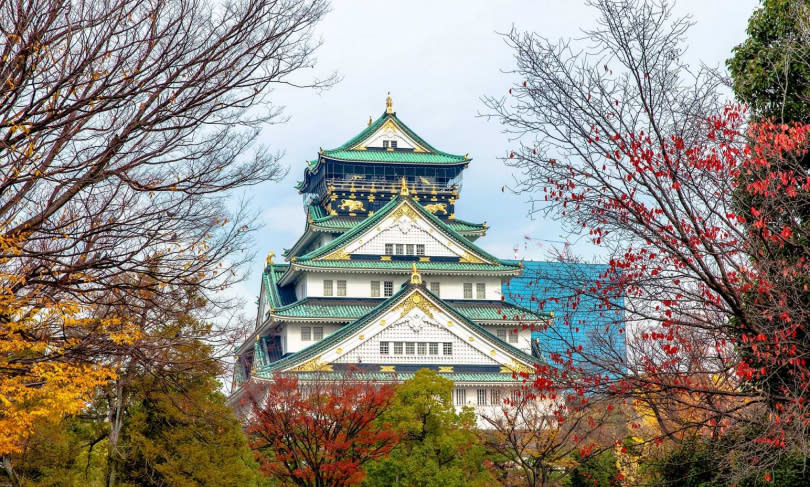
(524, 336)
(376, 139)
(291, 336)
(301, 288)
(405, 232)
(359, 285)
(416, 327)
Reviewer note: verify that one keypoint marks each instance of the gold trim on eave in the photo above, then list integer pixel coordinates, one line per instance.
(314, 365)
(416, 278)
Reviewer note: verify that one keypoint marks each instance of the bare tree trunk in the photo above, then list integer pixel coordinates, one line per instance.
(115, 418)
(10, 473)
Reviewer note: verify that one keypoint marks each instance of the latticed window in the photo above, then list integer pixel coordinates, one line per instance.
(317, 333)
(495, 397)
(461, 397)
(481, 290)
(306, 334)
(467, 290)
(393, 144)
(327, 287)
(375, 289)
(383, 348)
(434, 287)
(389, 248)
(397, 348)
(388, 288)
(482, 397)
(385, 144)
(341, 288)
(400, 249)
(513, 336)
(501, 333)
(434, 348)
(420, 249)
(409, 249)
(421, 348)
(447, 348)
(409, 348)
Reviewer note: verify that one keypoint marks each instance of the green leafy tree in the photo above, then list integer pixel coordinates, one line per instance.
(771, 68)
(186, 436)
(439, 445)
(595, 471)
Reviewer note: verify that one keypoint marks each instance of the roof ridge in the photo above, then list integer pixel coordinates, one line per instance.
(349, 328)
(382, 213)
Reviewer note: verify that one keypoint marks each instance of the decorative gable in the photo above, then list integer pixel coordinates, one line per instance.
(389, 136)
(394, 335)
(406, 225)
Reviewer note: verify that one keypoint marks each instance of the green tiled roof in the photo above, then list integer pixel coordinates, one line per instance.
(346, 331)
(271, 276)
(344, 152)
(395, 156)
(405, 265)
(492, 377)
(352, 309)
(322, 220)
(381, 214)
(365, 133)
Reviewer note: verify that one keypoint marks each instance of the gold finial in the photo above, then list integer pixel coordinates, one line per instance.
(415, 277)
(403, 190)
(270, 256)
(388, 105)
(369, 121)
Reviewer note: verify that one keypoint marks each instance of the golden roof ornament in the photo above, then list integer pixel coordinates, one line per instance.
(416, 278)
(389, 108)
(270, 256)
(369, 121)
(403, 189)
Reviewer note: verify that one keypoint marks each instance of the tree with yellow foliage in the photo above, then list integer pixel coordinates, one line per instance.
(125, 126)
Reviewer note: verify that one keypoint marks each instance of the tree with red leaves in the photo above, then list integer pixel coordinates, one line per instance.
(319, 433)
(626, 146)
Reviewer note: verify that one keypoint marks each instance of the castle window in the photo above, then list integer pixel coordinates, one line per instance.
(409, 249)
(306, 334)
(447, 348)
(393, 144)
(482, 396)
(461, 397)
(513, 336)
(388, 288)
(420, 249)
(409, 348)
(375, 289)
(317, 333)
(400, 249)
(397, 348)
(385, 144)
(467, 290)
(341, 288)
(501, 333)
(383, 348)
(480, 290)
(495, 397)
(389, 249)
(434, 287)
(434, 348)
(421, 348)
(327, 287)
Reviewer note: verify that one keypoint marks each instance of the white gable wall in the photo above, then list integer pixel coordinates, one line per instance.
(469, 347)
(359, 285)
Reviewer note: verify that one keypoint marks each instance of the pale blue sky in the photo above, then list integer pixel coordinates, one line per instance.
(438, 58)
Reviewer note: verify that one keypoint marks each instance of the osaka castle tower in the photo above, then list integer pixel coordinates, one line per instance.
(385, 280)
